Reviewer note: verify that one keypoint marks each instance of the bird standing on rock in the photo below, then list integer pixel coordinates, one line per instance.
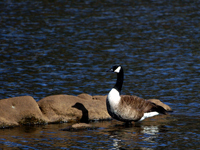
(128, 108)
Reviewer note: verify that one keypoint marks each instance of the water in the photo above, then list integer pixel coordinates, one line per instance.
(58, 47)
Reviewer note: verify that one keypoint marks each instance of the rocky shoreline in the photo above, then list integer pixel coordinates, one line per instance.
(24, 110)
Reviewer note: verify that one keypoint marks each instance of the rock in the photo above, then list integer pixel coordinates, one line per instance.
(158, 102)
(58, 108)
(55, 109)
(20, 110)
(85, 96)
(79, 126)
(100, 98)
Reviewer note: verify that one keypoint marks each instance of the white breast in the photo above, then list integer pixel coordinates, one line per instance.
(114, 98)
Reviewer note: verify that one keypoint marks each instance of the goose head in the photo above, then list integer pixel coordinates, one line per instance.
(115, 68)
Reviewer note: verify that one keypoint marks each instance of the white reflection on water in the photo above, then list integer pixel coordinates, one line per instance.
(152, 131)
(115, 143)
(134, 136)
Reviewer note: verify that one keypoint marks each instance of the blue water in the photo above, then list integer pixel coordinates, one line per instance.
(59, 47)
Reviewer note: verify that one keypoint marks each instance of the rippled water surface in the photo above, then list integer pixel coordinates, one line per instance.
(59, 47)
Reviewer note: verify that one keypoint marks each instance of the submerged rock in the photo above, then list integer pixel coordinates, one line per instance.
(79, 126)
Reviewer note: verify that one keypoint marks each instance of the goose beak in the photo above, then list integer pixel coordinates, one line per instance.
(110, 70)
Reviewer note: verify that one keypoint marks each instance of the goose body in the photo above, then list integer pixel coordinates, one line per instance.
(128, 108)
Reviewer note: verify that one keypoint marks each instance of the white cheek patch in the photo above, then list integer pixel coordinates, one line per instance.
(118, 69)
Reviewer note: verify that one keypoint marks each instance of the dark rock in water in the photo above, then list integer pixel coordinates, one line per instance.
(79, 126)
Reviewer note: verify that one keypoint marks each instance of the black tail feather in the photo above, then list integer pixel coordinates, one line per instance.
(159, 109)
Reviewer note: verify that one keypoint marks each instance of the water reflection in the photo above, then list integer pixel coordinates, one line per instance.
(142, 135)
(115, 143)
(151, 131)
(149, 134)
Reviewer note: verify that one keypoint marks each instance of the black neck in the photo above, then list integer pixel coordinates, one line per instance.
(120, 79)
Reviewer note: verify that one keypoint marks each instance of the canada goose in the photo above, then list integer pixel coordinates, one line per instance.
(83, 124)
(129, 108)
(84, 118)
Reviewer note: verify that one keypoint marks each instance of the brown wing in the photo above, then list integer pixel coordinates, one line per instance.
(140, 104)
